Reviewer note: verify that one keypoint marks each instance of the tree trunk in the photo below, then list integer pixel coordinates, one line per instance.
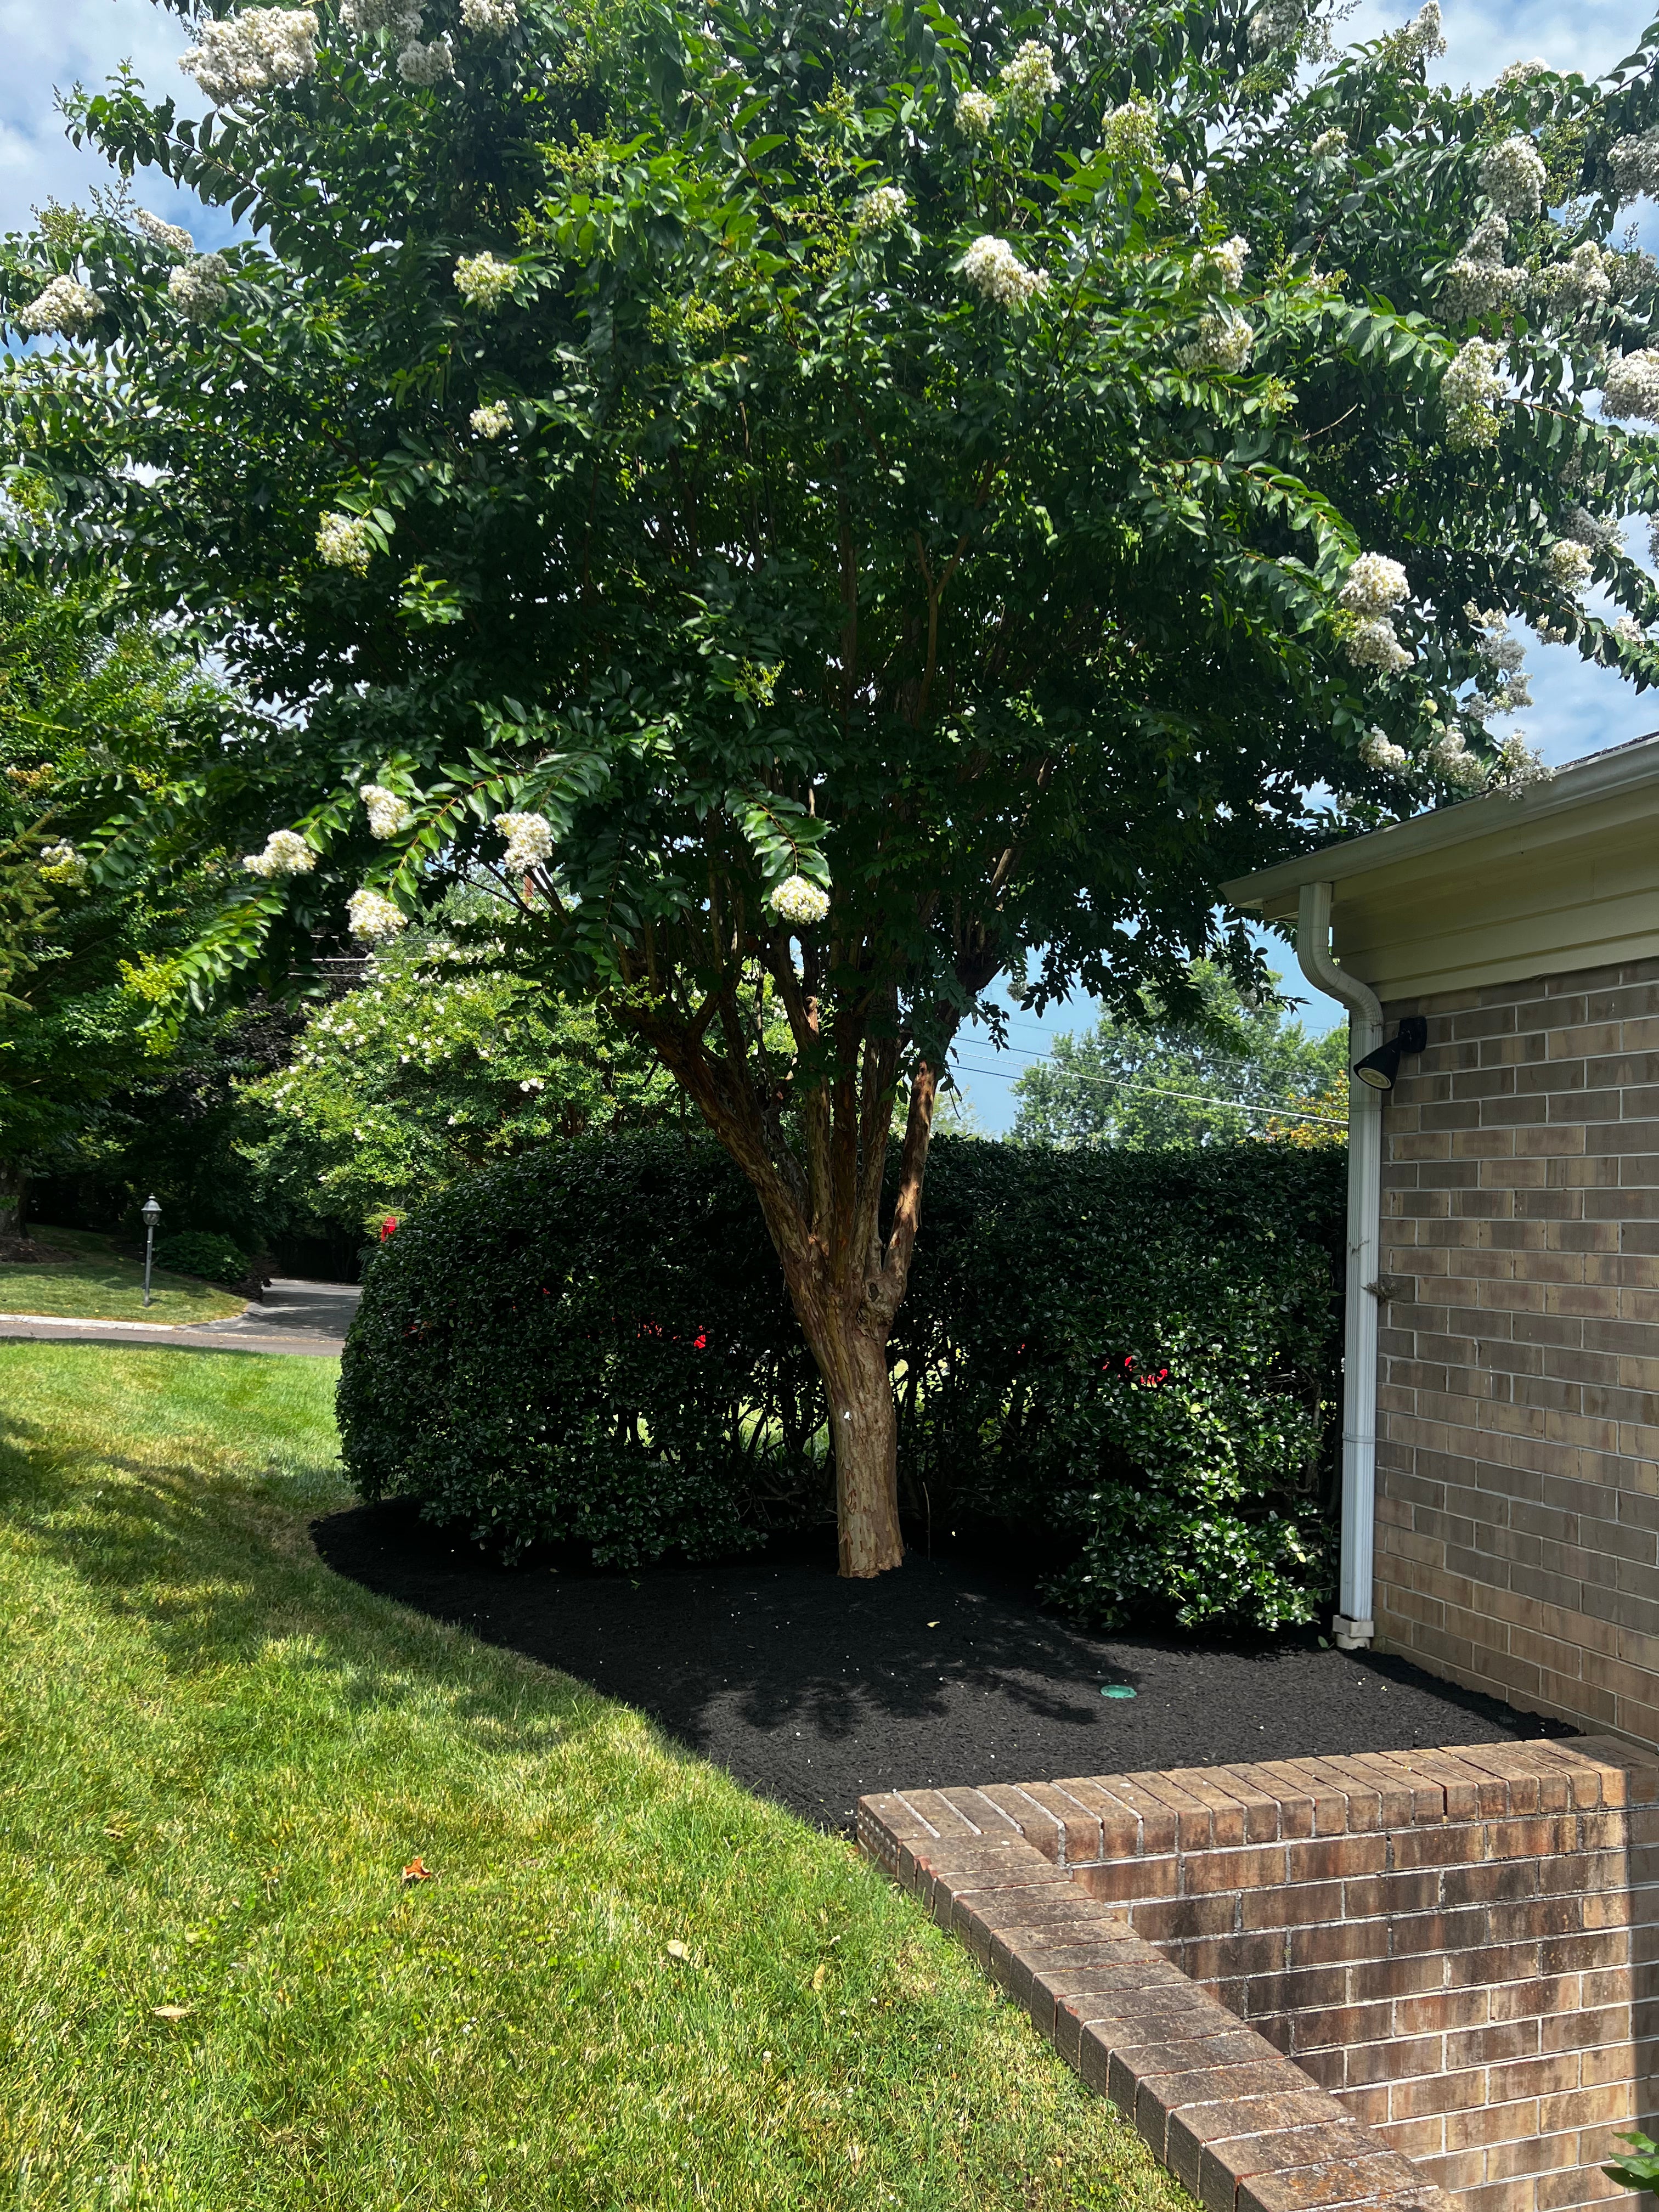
(14, 1194)
(864, 1431)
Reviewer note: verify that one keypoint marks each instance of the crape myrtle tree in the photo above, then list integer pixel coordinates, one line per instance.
(827, 506)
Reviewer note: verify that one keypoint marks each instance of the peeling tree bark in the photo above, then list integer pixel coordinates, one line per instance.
(845, 1277)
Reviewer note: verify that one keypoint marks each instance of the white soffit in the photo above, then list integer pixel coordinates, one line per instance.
(1564, 876)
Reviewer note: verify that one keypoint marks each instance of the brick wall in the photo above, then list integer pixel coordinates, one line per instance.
(1452, 1944)
(1518, 1497)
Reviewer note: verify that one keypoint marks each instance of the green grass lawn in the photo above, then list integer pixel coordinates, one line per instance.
(627, 1985)
(98, 1284)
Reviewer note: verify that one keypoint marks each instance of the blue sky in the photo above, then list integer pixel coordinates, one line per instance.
(51, 44)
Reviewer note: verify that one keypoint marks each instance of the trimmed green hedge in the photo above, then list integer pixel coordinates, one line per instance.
(203, 1252)
(1130, 1358)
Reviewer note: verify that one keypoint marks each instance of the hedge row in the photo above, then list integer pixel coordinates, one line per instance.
(1130, 1356)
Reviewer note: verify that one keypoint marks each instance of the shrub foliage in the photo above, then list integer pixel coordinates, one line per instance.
(203, 1252)
(1131, 1357)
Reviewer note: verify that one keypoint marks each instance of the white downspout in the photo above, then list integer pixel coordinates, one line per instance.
(1352, 1625)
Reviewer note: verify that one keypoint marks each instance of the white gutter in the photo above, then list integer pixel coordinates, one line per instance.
(1353, 1625)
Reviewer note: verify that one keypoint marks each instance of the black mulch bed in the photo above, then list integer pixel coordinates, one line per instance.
(815, 1691)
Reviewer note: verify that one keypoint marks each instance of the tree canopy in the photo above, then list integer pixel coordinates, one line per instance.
(100, 711)
(828, 505)
(436, 1064)
(1203, 1077)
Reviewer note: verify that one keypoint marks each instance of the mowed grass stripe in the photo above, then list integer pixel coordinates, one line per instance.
(219, 1758)
(97, 1283)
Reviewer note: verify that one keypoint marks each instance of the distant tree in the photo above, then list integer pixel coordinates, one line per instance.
(98, 714)
(440, 1062)
(1197, 1077)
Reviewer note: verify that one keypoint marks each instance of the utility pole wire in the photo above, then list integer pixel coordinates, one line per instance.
(1156, 1091)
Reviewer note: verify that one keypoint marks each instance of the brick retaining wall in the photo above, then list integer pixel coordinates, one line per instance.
(1455, 1946)
(1517, 1531)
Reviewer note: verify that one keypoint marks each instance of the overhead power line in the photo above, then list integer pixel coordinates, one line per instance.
(1158, 1090)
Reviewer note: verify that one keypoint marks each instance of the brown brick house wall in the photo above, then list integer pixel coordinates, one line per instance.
(1517, 1538)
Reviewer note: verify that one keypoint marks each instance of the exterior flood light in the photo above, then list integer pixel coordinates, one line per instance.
(1380, 1068)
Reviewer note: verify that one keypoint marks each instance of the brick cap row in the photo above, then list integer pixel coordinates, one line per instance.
(1094, 1819)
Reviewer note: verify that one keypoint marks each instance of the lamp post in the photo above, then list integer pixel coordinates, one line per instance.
(151, 1212)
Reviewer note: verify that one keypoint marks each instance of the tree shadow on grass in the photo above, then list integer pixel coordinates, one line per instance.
(215, 1569)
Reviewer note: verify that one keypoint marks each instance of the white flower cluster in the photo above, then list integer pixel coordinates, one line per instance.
(997, 273)
(1221, 267)
(241, 56)
(167, 235)
(1478, 281)
(1470, 391)
(343, 541)
(1029, 81)
(1128, 134)
(975, 112)
(1634, 166)
(64, 307)
(1382, 753)
(483, 282)
(286, 853)
(495, 18)
(199, 288)
(797, 900)
(1372, 644)
(1579, 281)
(1494, 646)
(1223, 343)
(1450, 759)
(1275, 23)
(1630, 385)
(1568, 565)
(372, 919)
(1584, 529)
(362, 19)
(1375, 585)
(1512, 177)
(62, 864)
(1520, 763)
(493, 420)
(1329, 144)
(424, 66)
(1629, 631)
(1520, 72)
(528, 840)
(1424, 36)
(387, 814)
(882, 209)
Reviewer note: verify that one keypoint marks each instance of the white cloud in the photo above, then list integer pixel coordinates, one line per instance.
(51, 45)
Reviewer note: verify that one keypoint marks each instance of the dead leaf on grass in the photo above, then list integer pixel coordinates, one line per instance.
(416, 1870)
(677, 1950)
(171, 2012)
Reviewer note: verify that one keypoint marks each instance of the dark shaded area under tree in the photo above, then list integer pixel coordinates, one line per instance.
(815, 1691)
(1126, 1360)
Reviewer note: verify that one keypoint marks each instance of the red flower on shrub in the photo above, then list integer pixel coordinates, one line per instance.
(1148, 1379)
(388, 1229)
